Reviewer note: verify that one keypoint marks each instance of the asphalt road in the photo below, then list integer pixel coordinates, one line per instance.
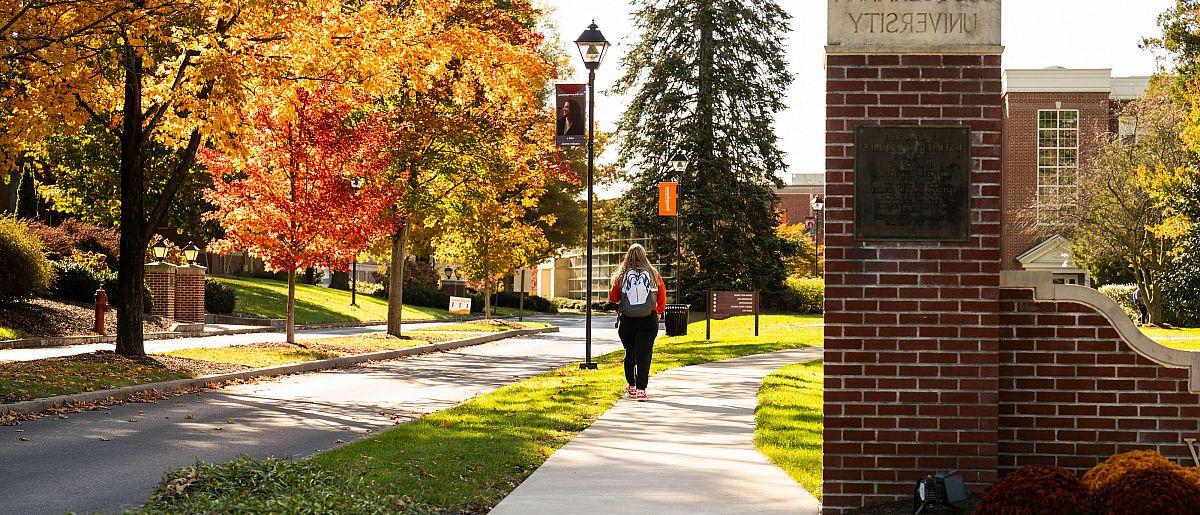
(110, 460)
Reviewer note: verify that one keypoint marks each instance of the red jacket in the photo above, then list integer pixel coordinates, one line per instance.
(614, 295)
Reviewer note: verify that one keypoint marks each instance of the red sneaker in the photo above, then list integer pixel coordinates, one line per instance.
(630, 392)
(640, 395)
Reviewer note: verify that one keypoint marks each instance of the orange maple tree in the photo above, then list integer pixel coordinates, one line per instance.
(311, 189)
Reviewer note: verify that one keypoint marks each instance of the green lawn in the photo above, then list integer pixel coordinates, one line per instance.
(789, 418)
(8, 333)
(465, 459)
(25, 380)
(316, 305)
(1185, 339)
(254, 356)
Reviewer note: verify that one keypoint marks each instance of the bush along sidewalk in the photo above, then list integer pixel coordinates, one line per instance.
(465, 459)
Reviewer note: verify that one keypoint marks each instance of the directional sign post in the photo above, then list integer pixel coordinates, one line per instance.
(728, 304)
(522, 282)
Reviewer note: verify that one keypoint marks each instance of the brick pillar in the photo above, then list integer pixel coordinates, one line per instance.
(161, 279)
(189, 294)
(912, 329)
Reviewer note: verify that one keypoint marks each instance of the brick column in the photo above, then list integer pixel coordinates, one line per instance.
(160, 278)
(912, 329)
(189, 294)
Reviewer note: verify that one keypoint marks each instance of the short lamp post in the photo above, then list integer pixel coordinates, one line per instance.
(592, 47)
(818, 208)
(449, 272)
(356, 183)
(679, 164)
(160, 250)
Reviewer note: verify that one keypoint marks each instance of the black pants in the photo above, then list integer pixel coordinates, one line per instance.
(1145, 315)
(637, 335)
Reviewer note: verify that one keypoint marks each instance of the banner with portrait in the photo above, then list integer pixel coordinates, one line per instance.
(571, 103)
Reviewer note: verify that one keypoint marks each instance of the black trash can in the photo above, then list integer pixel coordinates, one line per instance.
(676, 319)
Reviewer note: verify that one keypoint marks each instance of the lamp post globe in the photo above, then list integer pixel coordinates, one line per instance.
(592, 47)
(679, 163)
(818, 204)
(160, 250)
(191, 252)
(449, 272)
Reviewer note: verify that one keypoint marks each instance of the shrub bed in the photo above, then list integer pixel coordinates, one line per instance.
(800, 295)
(219, 298)
(1036, 489)
(24, 270)
(1160, 490)
(1123, 294)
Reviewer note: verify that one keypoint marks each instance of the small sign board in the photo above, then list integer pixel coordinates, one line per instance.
(728, 304)
(523, 280)
(668, 199)
(460, 305)
(571, 101)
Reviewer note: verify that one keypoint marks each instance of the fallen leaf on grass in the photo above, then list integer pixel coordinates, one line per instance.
(339, 440)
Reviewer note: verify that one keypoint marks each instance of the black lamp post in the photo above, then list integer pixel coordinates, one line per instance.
(449, 272)
(592, 47)
(818, 207)
(356, 183)
(679, 164)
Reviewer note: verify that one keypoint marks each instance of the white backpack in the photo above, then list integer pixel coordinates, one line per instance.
(639, 294)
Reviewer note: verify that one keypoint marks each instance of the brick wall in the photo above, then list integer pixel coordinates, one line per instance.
(797, 206)
(189, 294)
(1073, 393)
(160, 279)
(1021, 158)
(912, 334)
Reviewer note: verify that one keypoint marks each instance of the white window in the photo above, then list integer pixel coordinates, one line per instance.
(1058, 163)
(1127, 127)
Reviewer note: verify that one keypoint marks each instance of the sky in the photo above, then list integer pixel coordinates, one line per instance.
(1037, 34)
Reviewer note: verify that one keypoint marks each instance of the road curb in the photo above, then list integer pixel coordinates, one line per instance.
(41, 405)
(68, 341)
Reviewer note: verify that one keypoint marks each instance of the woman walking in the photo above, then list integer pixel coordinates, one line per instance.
(639, 290)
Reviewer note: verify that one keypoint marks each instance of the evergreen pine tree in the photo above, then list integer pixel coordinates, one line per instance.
(707, 78)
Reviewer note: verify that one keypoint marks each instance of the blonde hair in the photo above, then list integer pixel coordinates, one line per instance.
(635, 259)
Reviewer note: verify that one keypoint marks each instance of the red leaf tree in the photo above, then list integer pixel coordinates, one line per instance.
(311, 189)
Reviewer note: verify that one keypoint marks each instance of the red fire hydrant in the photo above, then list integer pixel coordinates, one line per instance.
(101, 309)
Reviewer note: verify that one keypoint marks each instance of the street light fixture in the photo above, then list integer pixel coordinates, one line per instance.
(679, 163)
(818, 208)
(160, 250)
(356, 183)
(449, 272)
(191, 252)
(592, 47)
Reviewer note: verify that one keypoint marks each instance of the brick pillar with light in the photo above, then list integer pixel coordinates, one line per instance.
(161, 279)
(189, 294)
(912, 247)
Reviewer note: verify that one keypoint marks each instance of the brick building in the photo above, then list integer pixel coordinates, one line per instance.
(1054, 120)
(795, 199)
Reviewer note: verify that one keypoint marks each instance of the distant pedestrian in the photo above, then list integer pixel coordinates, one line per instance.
(1141, 306)
(639, 290)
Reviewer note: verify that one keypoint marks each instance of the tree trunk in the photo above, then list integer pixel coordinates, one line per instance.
(291, 308)
(396, 282)
(487, 299)
(131, 273)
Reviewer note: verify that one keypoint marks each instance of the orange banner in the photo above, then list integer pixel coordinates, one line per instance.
(668, 199)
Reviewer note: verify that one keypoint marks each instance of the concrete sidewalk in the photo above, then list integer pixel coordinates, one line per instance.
(688, 450)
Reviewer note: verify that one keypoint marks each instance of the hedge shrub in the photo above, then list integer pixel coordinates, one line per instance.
(510, 299)
(805, 296)
(1117, 466)
(24, 270)
(219, 298)
(1123, 294)
(78, 282)
(1161, 491)
(1036, 489)
(78, 236)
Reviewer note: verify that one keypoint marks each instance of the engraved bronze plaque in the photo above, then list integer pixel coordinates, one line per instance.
(912, 183)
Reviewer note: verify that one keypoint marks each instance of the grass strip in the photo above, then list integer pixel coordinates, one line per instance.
(466, 459)
(1177, 338)
(25, 380)
(790, 422)
(8, 333)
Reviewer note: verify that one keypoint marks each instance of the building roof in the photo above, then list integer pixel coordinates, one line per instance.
(807, 179)
(1078, 80)
(1053, 255)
